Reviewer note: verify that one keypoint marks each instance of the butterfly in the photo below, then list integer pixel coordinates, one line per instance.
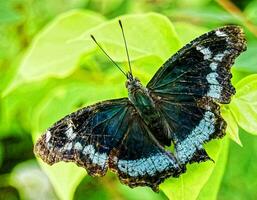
(179, 107)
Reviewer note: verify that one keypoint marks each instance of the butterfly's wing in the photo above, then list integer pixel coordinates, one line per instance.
(140, 160)
(108, 134)
(188, 85)
(86, 136)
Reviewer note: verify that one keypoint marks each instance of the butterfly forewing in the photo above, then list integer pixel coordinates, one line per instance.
(187, 86)
(87, 136)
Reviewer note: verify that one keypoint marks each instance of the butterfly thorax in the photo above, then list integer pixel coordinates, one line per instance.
(139, 96)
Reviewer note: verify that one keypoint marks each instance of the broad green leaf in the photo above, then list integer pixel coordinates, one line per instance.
(65, 177)
(247, 62)
(110, 8)
(58, 48)
(139, 193)
(211, 188)
(146, 34)
(244, 104)
(7, 13)
(188, 32)
(13, 117)
(238, 75)
(190, 184)
(31, 182)
(232, 127)
(53, 53)
(239, 181)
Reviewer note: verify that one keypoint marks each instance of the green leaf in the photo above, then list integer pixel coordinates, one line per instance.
(211, 188)
(247, 62)
(53, 53)
(238, 75)
(232, 127)
(58, 48)
(7, 13)
(145, 36)
(239, 181)
(188, 32)
(190, 184)
(65, 177)
(30, 181)
(244, 104)
(13, 117)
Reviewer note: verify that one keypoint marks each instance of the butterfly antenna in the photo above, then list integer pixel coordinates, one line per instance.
(108, 55)
(125, 42)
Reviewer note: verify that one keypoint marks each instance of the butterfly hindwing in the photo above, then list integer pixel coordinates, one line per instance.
(140, 160)
(87, 136)
(187, 86)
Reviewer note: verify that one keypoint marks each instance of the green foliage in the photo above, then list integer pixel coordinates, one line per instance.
(190, 184)
(62, 70)
(241, 170)
(244, 105)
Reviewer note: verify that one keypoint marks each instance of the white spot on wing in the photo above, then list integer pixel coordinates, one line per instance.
(220, 56)
(214, 91)
(89, 149)
(67, 146)
(211, 78)
(220, 33)
(213, 66)
(151, 165)
(70, 132)
(78, 146)
(96, 158)
(48, 136)
(186, 149)
(205, 51)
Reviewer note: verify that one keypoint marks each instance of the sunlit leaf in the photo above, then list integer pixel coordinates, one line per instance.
(58, 48)
(138, 193)
(7, 13)
(190, 184)
(31, 182)
(244, 105)
(65, 177)
(52, 52)
(232, 127)
(247, 62)
(188, 32)
(211, 188)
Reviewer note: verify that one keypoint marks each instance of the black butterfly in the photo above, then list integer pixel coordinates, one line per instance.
(179, 106)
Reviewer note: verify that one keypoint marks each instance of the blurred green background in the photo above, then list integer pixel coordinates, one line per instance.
(49, 67)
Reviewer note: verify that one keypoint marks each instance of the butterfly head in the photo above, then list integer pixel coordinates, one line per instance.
(132, 83)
